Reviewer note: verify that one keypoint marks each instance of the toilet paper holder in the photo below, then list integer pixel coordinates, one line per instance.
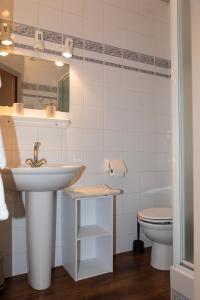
(115, 167)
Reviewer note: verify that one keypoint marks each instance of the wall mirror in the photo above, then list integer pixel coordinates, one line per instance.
(33, 81)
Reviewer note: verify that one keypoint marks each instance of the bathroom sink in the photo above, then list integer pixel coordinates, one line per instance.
(40, 185)
(45, 178)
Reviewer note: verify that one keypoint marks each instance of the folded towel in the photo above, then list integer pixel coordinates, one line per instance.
(3, 208)
(91, 191)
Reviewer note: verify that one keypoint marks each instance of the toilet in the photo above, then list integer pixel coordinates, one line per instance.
(156, 224)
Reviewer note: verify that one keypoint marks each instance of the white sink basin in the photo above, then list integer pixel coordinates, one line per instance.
(42, 179)
(40, 185)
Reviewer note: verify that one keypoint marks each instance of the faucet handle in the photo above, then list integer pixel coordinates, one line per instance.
(29, 161)
(37, 143)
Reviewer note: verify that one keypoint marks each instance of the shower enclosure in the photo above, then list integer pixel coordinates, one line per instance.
(185, 134)
(182, 271)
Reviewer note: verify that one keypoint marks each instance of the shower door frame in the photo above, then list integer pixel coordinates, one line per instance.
(182, 275)
(195, 11)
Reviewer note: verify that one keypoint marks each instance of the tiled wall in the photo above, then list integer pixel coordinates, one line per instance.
(117, 112)
(177, 296)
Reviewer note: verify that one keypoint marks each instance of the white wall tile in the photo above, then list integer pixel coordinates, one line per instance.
(23, 138)
(131, 141)
(93, 140)
(76, 72)
(93, 73)
(94, 162)
(75, 6)
(93, 30)
(46, 15)
(93, 95)
(30, 18)
(116, 113)
(72, 24)
(75, 139)
(58, 5)
(76, 93)
(113, 98)
(131, 183)
(92, 179)
(76, 115)
(50, 140)
(113, 140)
(112, 76)
(93, 117)
(113, 119)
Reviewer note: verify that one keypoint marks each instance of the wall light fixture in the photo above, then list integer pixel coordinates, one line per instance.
(68, 48)
(6, 38)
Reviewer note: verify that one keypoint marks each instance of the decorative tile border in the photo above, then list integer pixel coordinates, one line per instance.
(38, 96)
(53, 52)
(178, 296)
(24, 30)
(162, 63)
(146, 59)
(106, 63)
(112, 64)
(114, 51)
(131, 68)
(78, 57)
(39, 87)
(162, 75)
(147, 72)
(94, 60)
(53, 37)
(93, 46)
(79, 43)
(132, 55)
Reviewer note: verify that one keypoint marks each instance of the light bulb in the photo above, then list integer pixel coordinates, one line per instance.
(67, 54)
(3, 53)
(6, 42)
(59, 63)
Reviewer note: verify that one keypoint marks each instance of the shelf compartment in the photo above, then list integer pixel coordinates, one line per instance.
(87, 236)
(90, 268)
(91, 231)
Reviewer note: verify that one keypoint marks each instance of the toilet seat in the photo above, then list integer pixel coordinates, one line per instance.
(161, 215)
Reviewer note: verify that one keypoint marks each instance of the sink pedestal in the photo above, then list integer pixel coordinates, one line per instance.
(39, 185)
(40, 210)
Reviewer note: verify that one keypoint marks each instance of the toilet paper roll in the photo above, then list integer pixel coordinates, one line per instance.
(116, 167)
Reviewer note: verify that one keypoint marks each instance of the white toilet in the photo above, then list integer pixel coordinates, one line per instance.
(156, 223)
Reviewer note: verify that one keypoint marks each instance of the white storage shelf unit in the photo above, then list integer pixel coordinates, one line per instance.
(87, 236)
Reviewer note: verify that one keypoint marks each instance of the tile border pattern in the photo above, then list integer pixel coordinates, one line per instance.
(38, 96)
(79, 43)
(39, 87)
(177, 296)
(97, 61)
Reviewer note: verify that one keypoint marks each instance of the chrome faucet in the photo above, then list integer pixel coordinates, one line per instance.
(35, 163)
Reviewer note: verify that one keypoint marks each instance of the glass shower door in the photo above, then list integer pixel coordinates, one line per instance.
(185, 133)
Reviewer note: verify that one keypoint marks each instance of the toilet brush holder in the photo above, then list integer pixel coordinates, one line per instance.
(138, 245)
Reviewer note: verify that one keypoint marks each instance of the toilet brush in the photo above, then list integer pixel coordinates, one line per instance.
(138, 245)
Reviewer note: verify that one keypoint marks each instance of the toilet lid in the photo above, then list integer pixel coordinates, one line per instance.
(156, 215)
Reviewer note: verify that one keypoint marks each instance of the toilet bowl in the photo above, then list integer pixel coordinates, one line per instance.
(156, 224)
